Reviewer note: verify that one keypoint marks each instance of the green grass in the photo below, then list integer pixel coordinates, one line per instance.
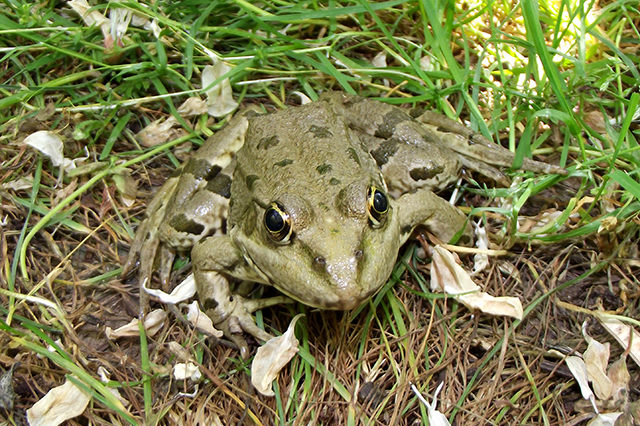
(552, 79)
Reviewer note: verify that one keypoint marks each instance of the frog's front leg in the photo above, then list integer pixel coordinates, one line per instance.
(424, 208)
(215, 261)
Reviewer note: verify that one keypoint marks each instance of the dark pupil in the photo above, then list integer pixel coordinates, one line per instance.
(379, 202)
(273, 220)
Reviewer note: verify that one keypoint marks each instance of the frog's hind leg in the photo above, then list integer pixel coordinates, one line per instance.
(474, 146)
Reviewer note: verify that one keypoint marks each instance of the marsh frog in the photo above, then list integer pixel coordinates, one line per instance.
(315, 200)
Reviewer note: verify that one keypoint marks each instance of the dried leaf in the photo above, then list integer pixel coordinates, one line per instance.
(59, 404)
(201, 320)
(620, 378)
(183, 291)
(579, 370)
(219, 97)
(158, 132)
(152, 323)
(182, 371)
(623, 334)
(25, 182)
(448, 276)
(126, 186)
(50, 144)
(272, 357)
(380, 60)
(7, 394)
(193, 106)
(596, 357)
(498, 306)
(607, 225)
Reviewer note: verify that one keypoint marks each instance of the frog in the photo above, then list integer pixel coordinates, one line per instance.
(315, 200)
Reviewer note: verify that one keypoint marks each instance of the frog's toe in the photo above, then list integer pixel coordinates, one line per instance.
(241, 319)
(247, 324)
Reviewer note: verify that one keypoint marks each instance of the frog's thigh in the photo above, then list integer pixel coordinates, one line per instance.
(408, 167)
(442, 219)
(197, 209)
(204, 214)
(213, 261)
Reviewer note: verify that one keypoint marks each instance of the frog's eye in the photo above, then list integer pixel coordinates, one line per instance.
(377, 206)
(278, 223)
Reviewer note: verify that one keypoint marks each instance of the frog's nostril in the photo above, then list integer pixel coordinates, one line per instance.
(358, 254)
(320, 263)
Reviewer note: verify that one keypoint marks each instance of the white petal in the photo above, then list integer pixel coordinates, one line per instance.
(183, 291)
(579, 370)
(272, 357)
(201, 320)
(182, 371)
(596, 357)
(59, 404)
(47, 143)
(604, 419)
(219, 97)
(153, 322)
(451, 278)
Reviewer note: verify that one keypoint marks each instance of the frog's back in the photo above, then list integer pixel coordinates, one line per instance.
(310, 148)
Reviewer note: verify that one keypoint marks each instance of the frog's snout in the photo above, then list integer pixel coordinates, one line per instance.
(343, 279)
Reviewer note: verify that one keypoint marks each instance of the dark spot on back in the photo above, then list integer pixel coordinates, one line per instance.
(354, 155)
(221, 185)
(201, 169)
(284, 163)
(324, 168)
(471, 139)
(388, 126)
(416, 112)
(182, 223)
(384, 151)
(334, 181)
(250, 181)
(424, 173)
(268, 142)
(320, 132)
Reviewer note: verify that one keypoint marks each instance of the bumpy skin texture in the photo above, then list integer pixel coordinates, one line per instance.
(348, 178)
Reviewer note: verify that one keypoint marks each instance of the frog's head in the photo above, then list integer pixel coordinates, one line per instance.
(332, 254)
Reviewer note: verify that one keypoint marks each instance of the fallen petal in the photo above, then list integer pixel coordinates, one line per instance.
(579, 370)
(201, 320)
(596, 358)
(623, 333)
(153, 322)
(183, 291)
(272, 357)
(59, 404)
(220, 100)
